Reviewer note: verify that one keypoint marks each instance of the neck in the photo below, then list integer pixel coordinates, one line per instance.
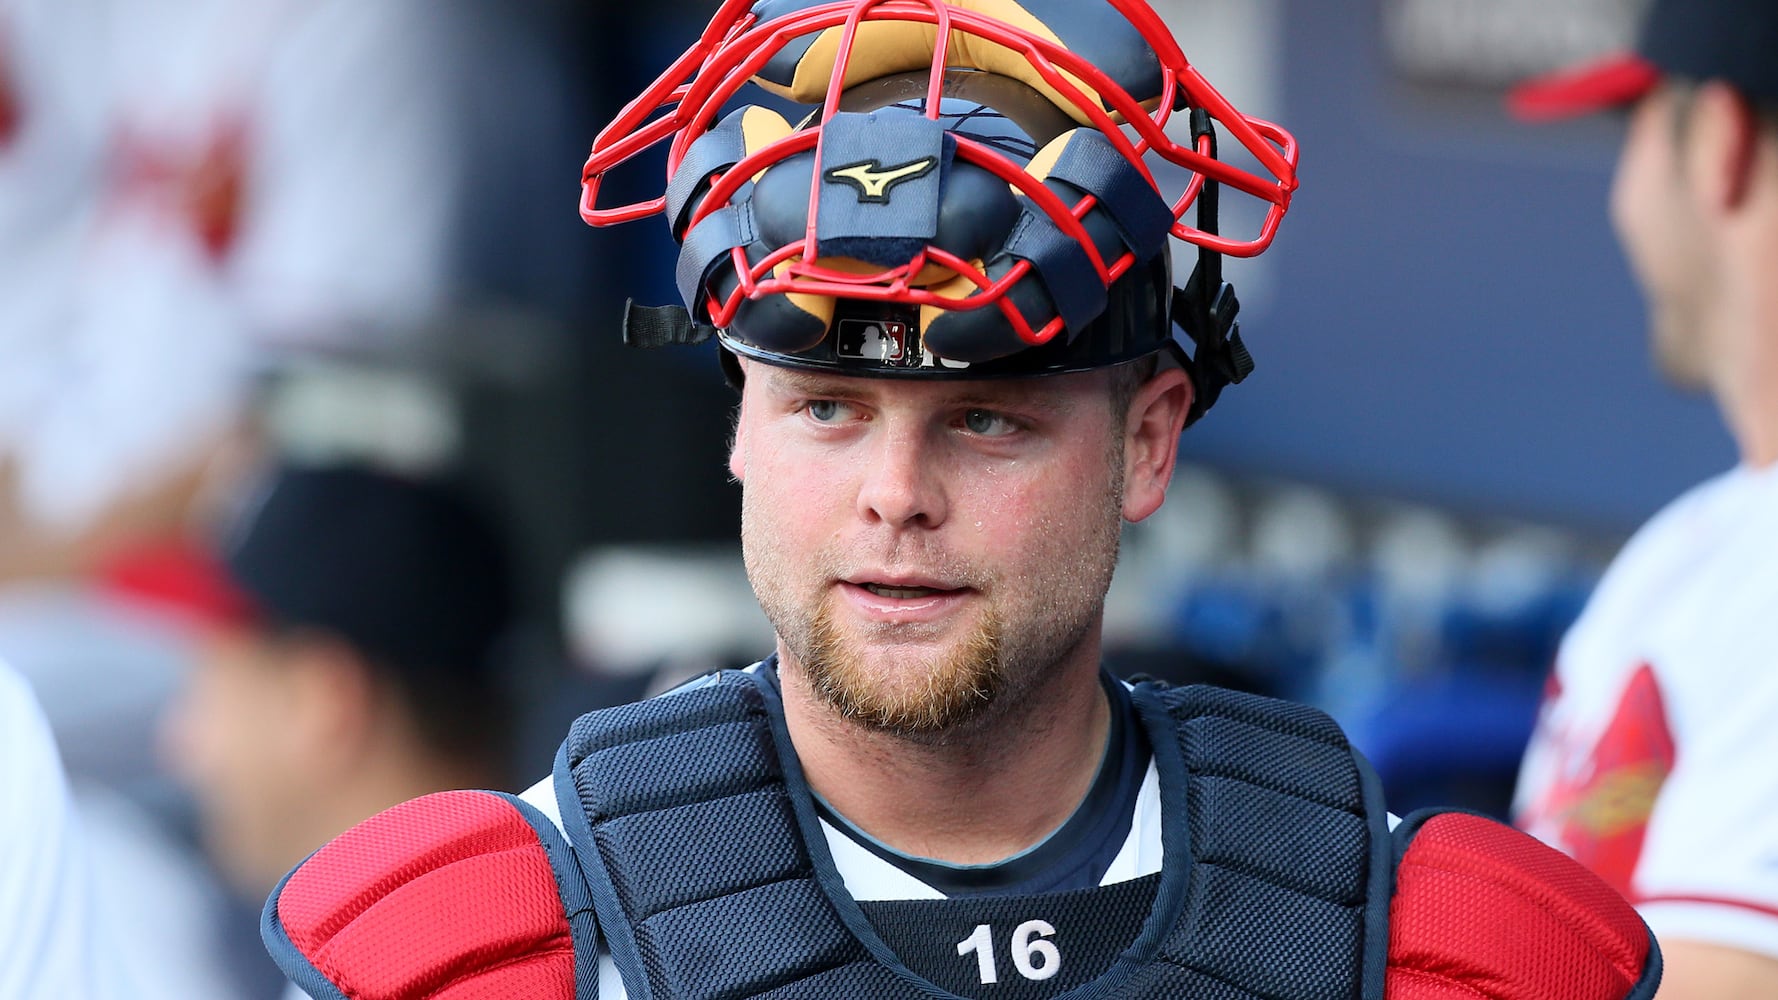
(975, 798)
(1746, 314)
(1748, 394)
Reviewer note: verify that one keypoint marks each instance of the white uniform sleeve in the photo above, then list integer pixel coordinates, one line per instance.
(50, 945)
(1709, 864)
(1653, 760)
(1709, 867)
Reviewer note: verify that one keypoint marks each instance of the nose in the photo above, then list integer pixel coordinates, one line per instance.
(903, 486)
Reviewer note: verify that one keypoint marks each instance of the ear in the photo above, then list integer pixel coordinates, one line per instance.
(737, 461)
(1151, 440)
(1722, 147)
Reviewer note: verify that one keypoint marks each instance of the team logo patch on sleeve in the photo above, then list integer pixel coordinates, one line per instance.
(1598, 807)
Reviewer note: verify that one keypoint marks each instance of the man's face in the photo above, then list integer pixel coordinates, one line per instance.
(1659, 228)
(928, 550)
(229, 737)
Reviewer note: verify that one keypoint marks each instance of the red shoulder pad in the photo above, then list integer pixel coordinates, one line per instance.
(1483, 910)
(452, 896)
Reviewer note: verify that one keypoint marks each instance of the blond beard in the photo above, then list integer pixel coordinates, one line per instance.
(958, 690)
(946, 693)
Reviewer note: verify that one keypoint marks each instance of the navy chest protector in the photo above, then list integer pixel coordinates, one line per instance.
(694, 857)
(711, 877)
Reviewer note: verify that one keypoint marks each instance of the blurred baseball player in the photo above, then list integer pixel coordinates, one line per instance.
(1651, 762)
(947, 299)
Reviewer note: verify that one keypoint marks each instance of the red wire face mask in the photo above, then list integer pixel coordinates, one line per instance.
(968, 193)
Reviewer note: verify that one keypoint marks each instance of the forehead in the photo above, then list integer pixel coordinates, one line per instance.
(1054, 392)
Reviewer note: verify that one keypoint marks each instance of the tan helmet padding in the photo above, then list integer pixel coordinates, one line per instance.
(760, 127)
(884, 47)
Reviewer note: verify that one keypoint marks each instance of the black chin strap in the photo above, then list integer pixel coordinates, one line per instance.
(1206, 307)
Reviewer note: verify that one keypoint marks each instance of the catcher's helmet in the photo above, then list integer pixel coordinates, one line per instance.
(968, 199)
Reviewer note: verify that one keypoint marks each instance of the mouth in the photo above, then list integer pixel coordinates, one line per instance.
(903, 601)
(903, 593)
(903, 583)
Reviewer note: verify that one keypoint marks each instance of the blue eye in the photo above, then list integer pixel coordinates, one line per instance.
(988, 423)
(827, 411)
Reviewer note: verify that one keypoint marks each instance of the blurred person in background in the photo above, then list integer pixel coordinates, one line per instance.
(352, 663)
(1652, 760)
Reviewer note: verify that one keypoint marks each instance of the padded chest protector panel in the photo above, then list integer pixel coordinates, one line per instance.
(711, 876)
(1270, 889)
(1483, 910)
(461, 895)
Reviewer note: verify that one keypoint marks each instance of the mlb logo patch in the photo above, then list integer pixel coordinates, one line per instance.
(881, 341)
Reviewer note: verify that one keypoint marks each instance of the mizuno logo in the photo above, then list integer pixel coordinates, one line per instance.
(874, 180)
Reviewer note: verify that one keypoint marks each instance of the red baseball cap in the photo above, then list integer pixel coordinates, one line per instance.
(1729, 40)
(181, 577)
(410, 571)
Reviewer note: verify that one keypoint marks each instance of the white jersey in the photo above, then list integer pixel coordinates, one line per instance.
(50, 941)
(1654, 758)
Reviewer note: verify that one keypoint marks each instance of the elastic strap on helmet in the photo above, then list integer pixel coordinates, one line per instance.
(662, 326)
(1206, 307)
(672, 326)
